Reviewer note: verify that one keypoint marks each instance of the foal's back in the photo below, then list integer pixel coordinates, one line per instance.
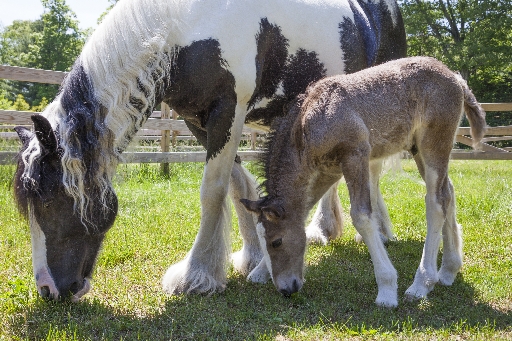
(391, 106)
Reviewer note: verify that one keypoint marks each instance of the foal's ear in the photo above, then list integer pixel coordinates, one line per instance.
(44, 133)
(252, 206)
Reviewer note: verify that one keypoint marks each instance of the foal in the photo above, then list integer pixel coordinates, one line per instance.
(342, 126)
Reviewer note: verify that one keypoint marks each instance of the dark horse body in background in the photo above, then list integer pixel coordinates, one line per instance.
(219, 64)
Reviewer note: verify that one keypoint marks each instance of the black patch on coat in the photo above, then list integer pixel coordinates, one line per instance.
(84, 121)
(202, 91)
(371, 38)
(301, 69)
(272, 52)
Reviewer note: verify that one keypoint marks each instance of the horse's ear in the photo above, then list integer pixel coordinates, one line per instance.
(44, 133)
(24, 134)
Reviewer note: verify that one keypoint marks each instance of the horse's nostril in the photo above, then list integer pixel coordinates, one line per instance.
(295, 286)
(74, 288)
(45, 292)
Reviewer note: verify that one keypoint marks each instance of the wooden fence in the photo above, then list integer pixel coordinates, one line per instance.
(164, 126)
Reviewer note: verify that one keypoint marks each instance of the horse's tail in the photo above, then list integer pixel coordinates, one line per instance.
(475, 114)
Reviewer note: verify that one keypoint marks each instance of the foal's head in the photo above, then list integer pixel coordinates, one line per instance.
(65, 244)
(283, 242)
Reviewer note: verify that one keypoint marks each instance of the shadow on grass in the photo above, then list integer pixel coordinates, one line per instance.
(338, 296)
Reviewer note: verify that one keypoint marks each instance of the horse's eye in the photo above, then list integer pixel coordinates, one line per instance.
(277, 243)
(47, 203)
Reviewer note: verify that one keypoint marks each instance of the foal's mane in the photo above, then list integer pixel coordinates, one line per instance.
(282, 133)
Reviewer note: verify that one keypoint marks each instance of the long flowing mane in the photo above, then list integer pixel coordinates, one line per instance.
(108, 95)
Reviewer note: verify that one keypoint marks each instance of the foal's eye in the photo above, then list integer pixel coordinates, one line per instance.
(277, 243)
(47, 203)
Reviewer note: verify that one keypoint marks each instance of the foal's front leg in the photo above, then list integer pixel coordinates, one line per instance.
(356, 171)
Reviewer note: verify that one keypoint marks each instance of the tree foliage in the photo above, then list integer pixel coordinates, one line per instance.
(473, 37)
(52, 42)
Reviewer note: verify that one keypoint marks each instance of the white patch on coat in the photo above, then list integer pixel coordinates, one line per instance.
(39, 261)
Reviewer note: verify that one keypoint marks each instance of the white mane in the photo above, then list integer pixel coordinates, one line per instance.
(127, 47)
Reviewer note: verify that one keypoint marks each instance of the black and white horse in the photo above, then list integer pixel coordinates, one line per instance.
(218, 63)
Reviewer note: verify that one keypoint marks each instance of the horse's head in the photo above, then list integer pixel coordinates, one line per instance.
(65, 244)
(283, 242)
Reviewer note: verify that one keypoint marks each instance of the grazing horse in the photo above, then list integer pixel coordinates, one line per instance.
(220, 64)
(340, 127)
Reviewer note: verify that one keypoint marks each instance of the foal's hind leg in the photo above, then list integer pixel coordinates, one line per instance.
(243, 185)
(327, 222)
(452, 244)
(439, 202)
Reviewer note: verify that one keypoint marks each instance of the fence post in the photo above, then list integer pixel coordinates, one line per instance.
(174, 132)
(254, 137)
(166, 138)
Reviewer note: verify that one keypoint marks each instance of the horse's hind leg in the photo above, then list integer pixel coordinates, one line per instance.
(379, 208)
(327, 222)
(243, 185)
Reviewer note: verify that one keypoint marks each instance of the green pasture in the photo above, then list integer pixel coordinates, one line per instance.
(156, 226)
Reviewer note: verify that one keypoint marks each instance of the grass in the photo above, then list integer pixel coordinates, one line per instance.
(157, 224)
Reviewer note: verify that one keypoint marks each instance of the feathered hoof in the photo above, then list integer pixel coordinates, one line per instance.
(417, 292)
(245, 260)
(315, 235)
(321, 231)
(446, 277)
(387, 299)
(260, 274)
(183, 278)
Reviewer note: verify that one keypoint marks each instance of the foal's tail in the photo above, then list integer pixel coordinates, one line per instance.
(475, 114)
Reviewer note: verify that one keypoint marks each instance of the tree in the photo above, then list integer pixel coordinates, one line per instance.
(61, 39)
(52, 43)
(473, 37)
(17, 42)
(20, 104)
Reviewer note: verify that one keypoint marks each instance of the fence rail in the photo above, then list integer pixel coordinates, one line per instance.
(160, 126)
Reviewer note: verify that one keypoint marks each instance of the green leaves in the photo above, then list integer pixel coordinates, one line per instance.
(52, 42)
(470, 36)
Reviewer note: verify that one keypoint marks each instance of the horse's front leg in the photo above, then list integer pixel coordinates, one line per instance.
(243, 185)
(204, 269)
(357, 175)
(327, 222)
